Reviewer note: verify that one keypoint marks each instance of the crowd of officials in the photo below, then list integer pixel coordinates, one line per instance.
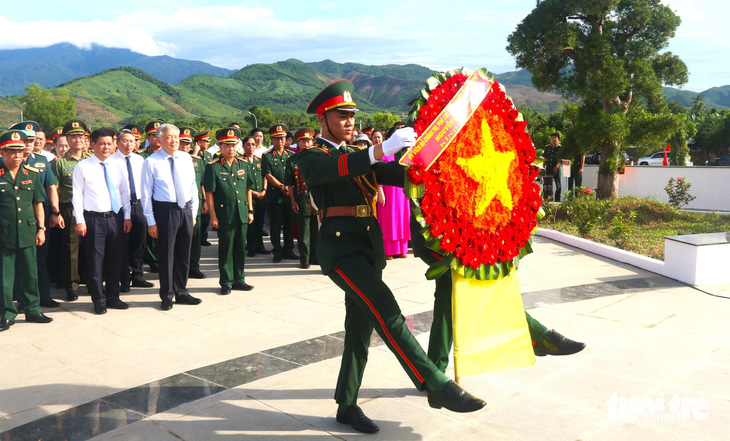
(153, 192)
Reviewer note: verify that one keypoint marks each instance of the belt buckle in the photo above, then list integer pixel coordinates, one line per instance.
(362, 211)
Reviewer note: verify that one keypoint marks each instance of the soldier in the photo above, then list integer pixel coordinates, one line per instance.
(63, 168)
(50, 208)
(551, 153)
(150, 251)
(228, 194)
(101, 204)
(254, 238)
(351, 255)
(137, 133)
(23, 220)
(305, 214)
(60, 144)
(369, 132)
(133, 243)
(186, 145)
(202, 140)
(278, 207)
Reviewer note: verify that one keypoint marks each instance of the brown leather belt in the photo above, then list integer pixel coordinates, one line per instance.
(348, 211)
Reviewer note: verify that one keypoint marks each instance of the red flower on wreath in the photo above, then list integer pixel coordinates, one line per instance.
(480, 198)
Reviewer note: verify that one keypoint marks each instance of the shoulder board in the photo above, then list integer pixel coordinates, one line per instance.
(59, 156)
(323, 150)
(268, 152)
(195, 156)
(33, 169)
(214, 161)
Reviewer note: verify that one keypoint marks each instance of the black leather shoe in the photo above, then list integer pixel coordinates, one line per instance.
(166, 304)
(4, 325)
(117, 304)
(454, 399)
(225, 290)
(242, 286)
(154, 268)
(264, 233)
(205, 243)
(277, 258)
(355, 417)
(304, 265)
(250, 253)
(262, 251)
(142, 283)
(290, 255)
(556, 344)
(38, 318)
(187, 300)
(99, 308)
(125, 287)
(49, 303)
(196, 275)
(72, 295)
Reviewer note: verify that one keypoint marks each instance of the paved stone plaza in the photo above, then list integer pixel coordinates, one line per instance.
(263, 364)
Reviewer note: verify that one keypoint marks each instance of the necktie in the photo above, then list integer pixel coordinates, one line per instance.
(132, 188)
(112, 192)
(179, 191)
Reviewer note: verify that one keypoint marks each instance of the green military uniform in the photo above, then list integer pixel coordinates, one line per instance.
(186, 134)
(306, 219)
(351, 254)
(206, 157)
(254, 238)
(278, 205)
(63, 168)
(551, 155)
(18, 232)
(228, 184)
(150, 249)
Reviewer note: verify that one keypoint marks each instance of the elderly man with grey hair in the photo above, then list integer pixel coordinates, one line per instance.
(169, 199)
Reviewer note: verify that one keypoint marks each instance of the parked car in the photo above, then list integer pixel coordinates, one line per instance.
(723, 160)
(658, 159)
(595, 158)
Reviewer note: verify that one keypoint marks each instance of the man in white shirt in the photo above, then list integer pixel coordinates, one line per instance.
(258, 136)
(130, 167)
(102, 212)
(169, 199)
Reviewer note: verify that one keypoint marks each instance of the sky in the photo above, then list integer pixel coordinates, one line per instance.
(236, 33)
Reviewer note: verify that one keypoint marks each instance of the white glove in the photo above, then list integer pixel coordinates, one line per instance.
(405, 137)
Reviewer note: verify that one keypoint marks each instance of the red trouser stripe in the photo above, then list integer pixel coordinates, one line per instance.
(382, 324)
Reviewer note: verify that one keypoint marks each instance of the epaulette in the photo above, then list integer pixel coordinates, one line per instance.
(214, 160)
(325, 151)
(356, 147)
(267, 152)
(195, 156)
(31, 168)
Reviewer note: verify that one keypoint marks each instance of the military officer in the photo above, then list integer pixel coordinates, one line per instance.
(228, 193)
(23, 220)
(551, 153)
(351, 254)
(150, 251)
(305, 215)
(278, 207)
(254, 238)
(32, 157)
(63, 168)
(137, 133)
(202, 140)
(186, 145)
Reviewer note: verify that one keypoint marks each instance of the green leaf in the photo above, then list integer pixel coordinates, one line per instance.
(432, 83)
(439, 268)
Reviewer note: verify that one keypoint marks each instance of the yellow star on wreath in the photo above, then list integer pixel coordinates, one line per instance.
(490, 170)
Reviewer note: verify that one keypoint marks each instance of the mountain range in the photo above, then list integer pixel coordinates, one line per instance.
(116, 85)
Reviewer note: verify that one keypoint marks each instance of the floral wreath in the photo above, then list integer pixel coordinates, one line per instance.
(478, 203)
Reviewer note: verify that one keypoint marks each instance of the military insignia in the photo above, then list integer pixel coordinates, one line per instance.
(230, 133)
(157, 124)
(29, 127)
(39, 164)
(26, 182)
(15, 136)
(75, 125)
(241, 172)
(278, 128)
(187, 131)
(195, 164)
(2, 172)
(33, 169)
(346, 96)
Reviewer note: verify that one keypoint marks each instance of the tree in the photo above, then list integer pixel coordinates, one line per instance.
(264, 117)
(385, 120)
(48, 111)
(607, 54)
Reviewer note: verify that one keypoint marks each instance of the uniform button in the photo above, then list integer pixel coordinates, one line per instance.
(20, 221)
(234, 183)
(18, 198)
(16, 188)
(221, 205)
(337, 234)
(20, 209)
(236, 191)
(368, 228)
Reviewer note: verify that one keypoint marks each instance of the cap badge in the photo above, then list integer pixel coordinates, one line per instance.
(230, 133)
(346, 96)
(15, 137)
(157, 124)
(75, 125)
(29, 127)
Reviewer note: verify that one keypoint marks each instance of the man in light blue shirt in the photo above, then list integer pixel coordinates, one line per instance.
(169, 199)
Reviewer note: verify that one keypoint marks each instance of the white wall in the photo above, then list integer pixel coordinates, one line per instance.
(711, 185)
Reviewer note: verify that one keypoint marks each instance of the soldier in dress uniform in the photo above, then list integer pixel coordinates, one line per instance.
(23, 220)
(137, 133)
(351, 254)
(186, 145)
(305, 214)
(50, 207)
(63, 168)
(228, 194)
(273, 167)
(150, 251)
(200, 147)
(254, 238)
